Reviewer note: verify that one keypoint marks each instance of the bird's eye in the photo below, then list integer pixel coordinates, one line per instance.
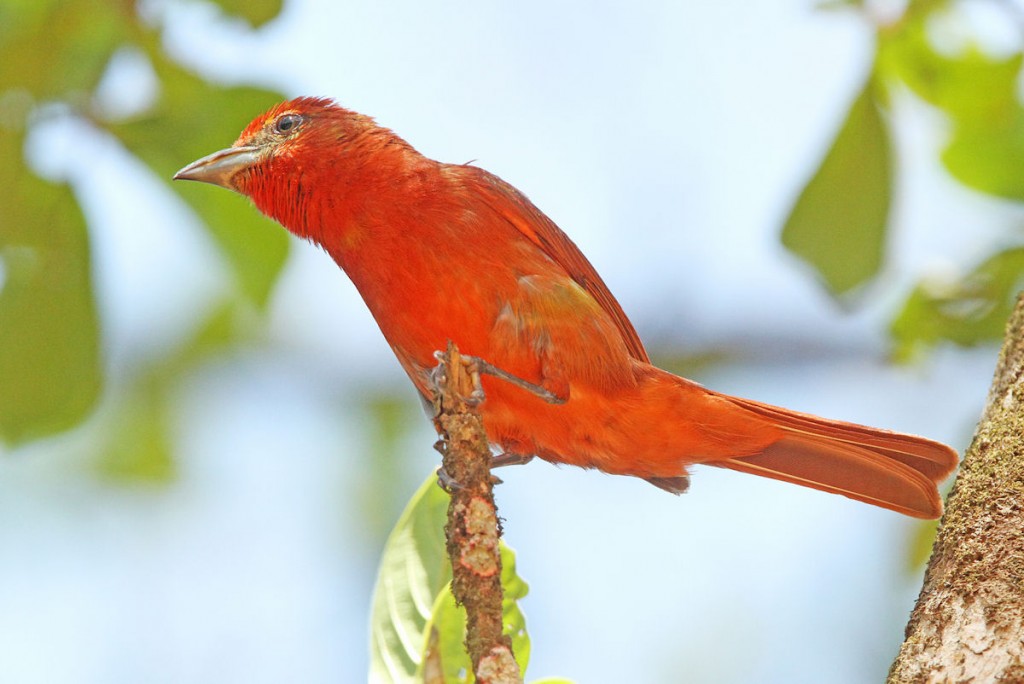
(287, 123)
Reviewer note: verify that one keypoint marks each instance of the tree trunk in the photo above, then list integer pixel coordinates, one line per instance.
(968, 624)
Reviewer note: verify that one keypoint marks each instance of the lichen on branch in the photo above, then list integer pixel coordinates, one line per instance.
(473, 530)
(969, 618)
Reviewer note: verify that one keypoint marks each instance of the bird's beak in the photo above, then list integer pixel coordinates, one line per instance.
(221, 168)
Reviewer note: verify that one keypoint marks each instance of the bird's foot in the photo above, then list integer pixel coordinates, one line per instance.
(449, 484)
(446, 481)
(475, 367)
(469, 364)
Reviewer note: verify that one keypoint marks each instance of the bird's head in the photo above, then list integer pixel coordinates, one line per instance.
(280, 141)
(295, 153)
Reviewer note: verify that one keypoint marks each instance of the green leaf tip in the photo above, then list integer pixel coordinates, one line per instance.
(838, 222)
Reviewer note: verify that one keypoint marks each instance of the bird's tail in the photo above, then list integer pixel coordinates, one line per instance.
(888, 469)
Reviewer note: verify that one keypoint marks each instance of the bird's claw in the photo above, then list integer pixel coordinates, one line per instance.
(477, 396)
(439, 377)
(447, 482)
(450, 485)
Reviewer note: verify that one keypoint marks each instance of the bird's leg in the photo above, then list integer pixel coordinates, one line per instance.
(476, 367)
(537, 390)
(448, 483)
(444, 480)
(505, 458)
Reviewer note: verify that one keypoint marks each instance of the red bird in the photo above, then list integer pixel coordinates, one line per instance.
(445, 252)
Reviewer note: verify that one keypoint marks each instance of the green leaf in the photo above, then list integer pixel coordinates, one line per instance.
(193, 118)
(416, 630)
(967, 312)
(413, 572)
(968, 86)
(977, 91)
(46, 50)
(256, 12)
(445, 659)
(49, 336)
(515, 589)
(919, 546)
(138, 447)
(139, 450)
(227, 324)
(838, 223)
(989, 156)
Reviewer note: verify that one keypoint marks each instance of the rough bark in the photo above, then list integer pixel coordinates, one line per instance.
(473, 530)
(968, 624)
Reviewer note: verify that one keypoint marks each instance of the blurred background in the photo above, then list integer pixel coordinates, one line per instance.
(205, 439)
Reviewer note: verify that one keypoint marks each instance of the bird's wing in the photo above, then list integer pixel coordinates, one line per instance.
(519, 211)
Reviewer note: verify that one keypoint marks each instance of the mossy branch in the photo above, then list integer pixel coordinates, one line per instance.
(968, 623)
(473, 529)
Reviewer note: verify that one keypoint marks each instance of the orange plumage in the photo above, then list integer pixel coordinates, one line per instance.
(445, 252)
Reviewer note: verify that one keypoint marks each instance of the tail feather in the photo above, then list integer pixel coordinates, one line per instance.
(887, 469)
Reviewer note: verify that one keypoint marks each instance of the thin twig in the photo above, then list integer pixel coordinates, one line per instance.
(473, 530)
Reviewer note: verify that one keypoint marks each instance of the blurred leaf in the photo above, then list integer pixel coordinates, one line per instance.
(978, 92)
(837, 5)
(229, 325)
(920, 545)
(688, 364)
(49, 336)
(47, 51)
(220, 329)
(416, 630)
(838, 222)
(989, 156)
(140, 449)
(193, 118)
(967, 312)
(971, 85)
(390, 416)
(256, 12)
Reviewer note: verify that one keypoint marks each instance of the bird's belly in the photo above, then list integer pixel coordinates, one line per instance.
(652, 429)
